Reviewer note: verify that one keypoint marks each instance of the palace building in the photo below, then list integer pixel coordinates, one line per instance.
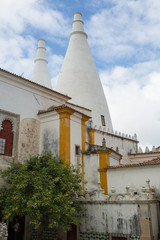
(121, 184)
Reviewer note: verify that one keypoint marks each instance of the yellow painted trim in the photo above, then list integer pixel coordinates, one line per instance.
(92, 136)
(64, 133)
(83, 141)
(120, 160)
(103, 163)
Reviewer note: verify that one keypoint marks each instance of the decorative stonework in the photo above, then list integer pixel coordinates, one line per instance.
(91, 236)
(29, 138)
(104, 236)
(48, 234)
(146, 193)
(15, 120)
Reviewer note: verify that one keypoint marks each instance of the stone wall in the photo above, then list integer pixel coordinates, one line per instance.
(29, 138)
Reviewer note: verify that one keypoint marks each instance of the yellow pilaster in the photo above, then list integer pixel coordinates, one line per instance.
(103, 163)
(120, 160)
(92, 136)
(83, 141)
(64, 136)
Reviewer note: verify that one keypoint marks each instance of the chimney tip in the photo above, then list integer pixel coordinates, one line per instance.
(77, 16)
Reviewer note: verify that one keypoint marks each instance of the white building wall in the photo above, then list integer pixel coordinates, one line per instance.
(49, 132)
(112, 218)
(75, 128)
(91, 166)
(25, 99)
(134, 177)
(113, 162)
(127, 219)
(125, 145)
(155, 220)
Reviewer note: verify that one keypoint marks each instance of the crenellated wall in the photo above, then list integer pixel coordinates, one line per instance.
(124, 144)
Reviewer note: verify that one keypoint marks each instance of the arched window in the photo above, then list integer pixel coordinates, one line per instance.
(6, 138)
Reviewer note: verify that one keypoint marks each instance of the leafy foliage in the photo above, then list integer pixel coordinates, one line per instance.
(42, 188)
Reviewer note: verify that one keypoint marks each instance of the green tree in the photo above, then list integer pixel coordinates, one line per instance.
(43, 188)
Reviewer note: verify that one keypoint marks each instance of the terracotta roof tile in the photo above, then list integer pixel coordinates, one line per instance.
(155, 161)
(133, 154)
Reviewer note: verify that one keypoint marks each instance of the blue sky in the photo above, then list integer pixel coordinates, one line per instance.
(124, 38)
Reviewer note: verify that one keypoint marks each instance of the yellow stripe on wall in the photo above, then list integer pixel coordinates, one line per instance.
(103, 163)
(92, 136)
(64, 136)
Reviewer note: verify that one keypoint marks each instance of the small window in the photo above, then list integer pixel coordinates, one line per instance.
(77, 155)
(77, 150)
(2, 145)
(103, 120)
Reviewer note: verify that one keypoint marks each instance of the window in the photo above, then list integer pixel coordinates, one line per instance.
(6, 138)
(77, 154)
(2, 145)
(103, 120)
(77, 150)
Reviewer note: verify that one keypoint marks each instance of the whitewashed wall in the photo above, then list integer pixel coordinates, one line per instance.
(120, 218)
(113, 162)
(111, 218)
(91, 166)
(124, 145)
(24, 98)
(135, 177)
(75, 133)
(49, 132)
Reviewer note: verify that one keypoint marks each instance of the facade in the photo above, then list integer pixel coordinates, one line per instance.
(74, 122)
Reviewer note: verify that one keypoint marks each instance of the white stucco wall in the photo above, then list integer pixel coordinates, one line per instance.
(24, 98)
(49, 132)
(113, 162)
(135, 177)
(155, 220)
(112, 218)
(112, 141)
(75, 133)
(91, 166)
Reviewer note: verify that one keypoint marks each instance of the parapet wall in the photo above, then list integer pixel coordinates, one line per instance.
(120, 142)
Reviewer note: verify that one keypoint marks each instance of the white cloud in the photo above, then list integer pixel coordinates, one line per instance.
(128, 29)
(20, 23)
(17, 15)
(134, 106)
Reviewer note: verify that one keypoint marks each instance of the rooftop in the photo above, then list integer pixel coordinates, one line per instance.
(155, 161)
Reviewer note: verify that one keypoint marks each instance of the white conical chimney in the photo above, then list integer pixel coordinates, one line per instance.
(40, 72)
(79, 79)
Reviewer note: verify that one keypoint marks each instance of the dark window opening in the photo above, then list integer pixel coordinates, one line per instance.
(77, 150)
(103, 120)
(6, 138)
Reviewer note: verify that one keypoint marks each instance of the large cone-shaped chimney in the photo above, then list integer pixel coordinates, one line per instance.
(79, 79)
(40, 73)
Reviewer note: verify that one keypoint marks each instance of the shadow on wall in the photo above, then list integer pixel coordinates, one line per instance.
(50, 141)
